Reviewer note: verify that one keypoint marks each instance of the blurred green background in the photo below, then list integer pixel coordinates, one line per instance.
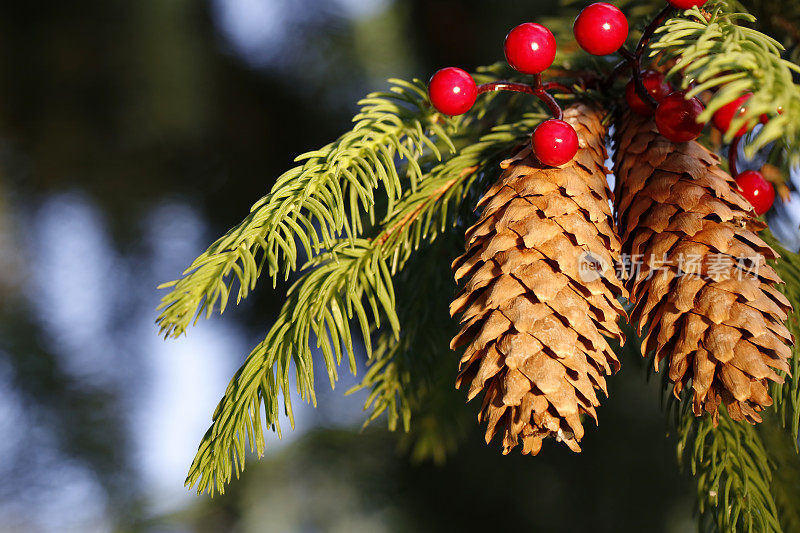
(134, 132)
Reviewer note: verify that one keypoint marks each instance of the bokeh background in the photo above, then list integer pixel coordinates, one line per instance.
(132, 133)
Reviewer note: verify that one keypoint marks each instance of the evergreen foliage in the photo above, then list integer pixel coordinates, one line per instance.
(370, 259)
(312, 203)
(714, 50)
(787, 395)
(733, 474)
(410, 378)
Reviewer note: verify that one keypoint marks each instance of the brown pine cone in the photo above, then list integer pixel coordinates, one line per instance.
(542, 294)
(698, 273)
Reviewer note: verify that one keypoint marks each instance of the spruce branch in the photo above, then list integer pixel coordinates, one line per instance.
(324, 300)
(310, 203)
(779, 19)
(785, 488)
(410, 375)
(734, 467)
(733, 473)
(713, 50)
(787, 395)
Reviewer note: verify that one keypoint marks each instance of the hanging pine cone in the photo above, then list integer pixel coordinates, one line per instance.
(697, 273)
(542, 294)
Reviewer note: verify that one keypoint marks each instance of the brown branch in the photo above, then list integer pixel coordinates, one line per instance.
(410, 217)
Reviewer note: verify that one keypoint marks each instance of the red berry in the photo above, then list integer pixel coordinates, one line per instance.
(725, 115)
(656, 85)
(530, 48)
(601, 29)
(686, 4)
(555, 142)
(676, 117)
(758, 191)
(452, 91)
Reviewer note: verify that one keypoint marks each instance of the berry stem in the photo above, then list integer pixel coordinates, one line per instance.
(538, 89)
(505, 86)
(521, 87)
(542, 94)
(733, 156)
(636, 65)
(556, 87)
(635, 58)
(651, 28)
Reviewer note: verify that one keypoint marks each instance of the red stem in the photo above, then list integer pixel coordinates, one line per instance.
(521, 87)
(651, 28)
(505, 86)
(641, 90)
(556, 87)
(539, 90)
(635, 59)
(547, 98)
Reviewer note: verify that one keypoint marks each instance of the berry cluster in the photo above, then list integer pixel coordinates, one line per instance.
(601, 29)
(529, 48)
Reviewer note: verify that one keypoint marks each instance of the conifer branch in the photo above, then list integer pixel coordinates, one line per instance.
(402, 372)
(411, 378)
(326, 298)
(785, 488)
(787, 395)
(310, 203)
(732, 465)
(713, 51)
(733, 473)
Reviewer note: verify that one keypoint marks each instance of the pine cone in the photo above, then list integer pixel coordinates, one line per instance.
(697, 273)
(542, 294)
